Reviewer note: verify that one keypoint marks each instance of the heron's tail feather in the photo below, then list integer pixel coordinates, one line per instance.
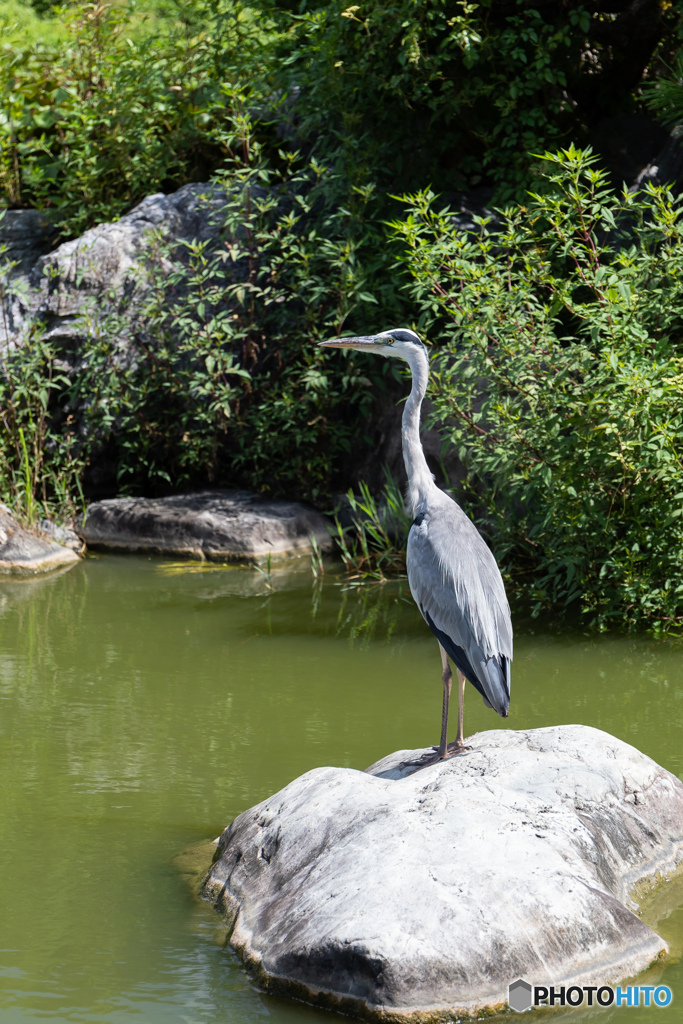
(494, 674)
(490, 676)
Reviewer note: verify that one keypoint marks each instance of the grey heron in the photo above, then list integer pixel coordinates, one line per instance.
(453, 576)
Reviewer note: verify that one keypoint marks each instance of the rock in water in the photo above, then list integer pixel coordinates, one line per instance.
(215, 525)
(422, 897)
(26, 552)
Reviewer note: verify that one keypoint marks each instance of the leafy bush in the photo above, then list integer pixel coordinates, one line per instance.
(559, 375)
(88, 128)
(396, 93)
(450, 92)
(40, 466)
(217, 377)
(559, 382)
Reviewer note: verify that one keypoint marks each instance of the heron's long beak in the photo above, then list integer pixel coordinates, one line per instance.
(365, 343)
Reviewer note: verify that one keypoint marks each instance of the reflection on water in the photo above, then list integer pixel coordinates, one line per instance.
(144, 703)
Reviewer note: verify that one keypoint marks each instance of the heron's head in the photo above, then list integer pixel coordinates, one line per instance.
(398, 342)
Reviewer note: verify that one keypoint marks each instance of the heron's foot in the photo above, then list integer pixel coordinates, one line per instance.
(429, 757)
(433, 756)
(455, 749)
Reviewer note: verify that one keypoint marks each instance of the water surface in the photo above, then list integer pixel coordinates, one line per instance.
(144, 704)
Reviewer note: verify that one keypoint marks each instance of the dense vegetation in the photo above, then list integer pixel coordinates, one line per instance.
(556, 332)
(93, 123)
(117, 99)
(453, 94)
(559, 382)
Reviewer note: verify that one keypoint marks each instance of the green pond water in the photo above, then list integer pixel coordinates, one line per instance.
(144, 704)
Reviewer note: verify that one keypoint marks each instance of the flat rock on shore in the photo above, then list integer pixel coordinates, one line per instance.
(215, 525)
(421, 897)
(27, 552)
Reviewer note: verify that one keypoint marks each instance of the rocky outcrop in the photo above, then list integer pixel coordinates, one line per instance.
(667, 167)
(635, 150)
(215, 525)
(105, 269)
(420, 896)
(25, 236)
(27, 552)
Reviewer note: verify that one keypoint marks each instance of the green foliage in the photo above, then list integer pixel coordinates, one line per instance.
(559, 383)
(559, 375)
(373, 546)
(317, 563)
(90, 126)
(40, 467)
(665, 94)
(220, 378)
(451, 92)
(23, 23)
(103, 103)
(265, 573)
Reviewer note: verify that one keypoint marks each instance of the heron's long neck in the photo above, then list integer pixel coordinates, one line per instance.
(420, 480)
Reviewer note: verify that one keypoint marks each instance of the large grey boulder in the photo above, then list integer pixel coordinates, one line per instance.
(28, 552)
(421, 897)
(105, 270)
(216, 525)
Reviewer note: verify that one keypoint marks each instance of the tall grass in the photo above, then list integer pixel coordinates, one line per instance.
(373, 545)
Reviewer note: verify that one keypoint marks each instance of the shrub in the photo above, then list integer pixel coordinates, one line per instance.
(22, 22)
(91, 126)
(40, 466)
(449, 92)
(558, 380)
(217, 376)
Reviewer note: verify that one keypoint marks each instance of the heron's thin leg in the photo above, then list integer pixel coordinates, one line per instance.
(460, 739)
(459, 746)
(447, 677)
(444, 750)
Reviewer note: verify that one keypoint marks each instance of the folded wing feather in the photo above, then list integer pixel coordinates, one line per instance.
(457, 585)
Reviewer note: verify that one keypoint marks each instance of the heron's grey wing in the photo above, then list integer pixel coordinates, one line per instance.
(458, 588)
